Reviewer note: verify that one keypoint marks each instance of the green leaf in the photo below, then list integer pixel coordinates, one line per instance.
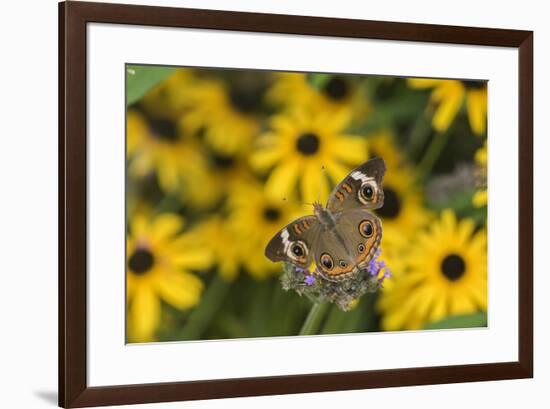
(318, 80)
(460, 321)
(141, 78)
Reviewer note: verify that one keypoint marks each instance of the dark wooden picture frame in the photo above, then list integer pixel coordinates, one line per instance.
(73, 388)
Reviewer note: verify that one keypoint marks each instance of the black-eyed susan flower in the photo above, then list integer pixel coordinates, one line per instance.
(446, 274)
(449, 96)
(223, 174)
(226, 113)
(159, 263)
(403, 212)
(254, 217)
(156, 146)
(480, 196)
(336, 93)
(301, 144)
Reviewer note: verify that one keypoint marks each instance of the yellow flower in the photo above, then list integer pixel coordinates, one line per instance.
(254, 217)
(450, 95)
(382, 144)
(337, 93)
(403, 212)
(446, 274)
(299, 146)
(156, 146)
(168, 100)
(215, 234)
(227, 113)
(222, 175)
(480, 196)
(159, 260)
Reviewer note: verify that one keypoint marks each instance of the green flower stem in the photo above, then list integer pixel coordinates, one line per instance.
(314, 318)
(200, 318)
(421, 130)
(431, 155)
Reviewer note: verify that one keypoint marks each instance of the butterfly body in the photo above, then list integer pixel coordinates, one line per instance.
(342, 237)
(326, 218)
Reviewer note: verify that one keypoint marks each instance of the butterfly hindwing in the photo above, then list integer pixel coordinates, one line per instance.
(295, 242)
(333, 259)
(361, 188)
(349, 247)
(363, 234)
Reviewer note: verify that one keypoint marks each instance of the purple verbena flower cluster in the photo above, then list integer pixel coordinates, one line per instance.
(375, 265)
(309, 277)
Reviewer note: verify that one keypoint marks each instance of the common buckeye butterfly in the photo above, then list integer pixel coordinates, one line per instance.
(342, 237)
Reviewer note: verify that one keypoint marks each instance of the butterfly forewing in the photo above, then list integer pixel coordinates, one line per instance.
(361, 188)
(294, 243)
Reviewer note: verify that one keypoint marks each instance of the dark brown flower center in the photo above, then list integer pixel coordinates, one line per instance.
(308, 143)
(336, 88)
(141, 261)
(164, 130)
(272, 214)
(223, 161)
(392, 204)
(474, 84)
(245, 100)
(453, 267)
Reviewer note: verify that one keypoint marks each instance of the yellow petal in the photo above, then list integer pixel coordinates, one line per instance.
(264, 159)
(168, 176)
(313, 184)
(480, 198)
(460, 303)
(351, 150)
(439, 308)
(336, 171)
(141, 164)
(478, 243)
(228, 268)
(423, 82)
(479, 293)
(476, 104)
(481, 155)
(424, 302)
(464, 231)
(136, 131)
(138, 225)
(449, 104)
(448, 222)
(181, 290)
(282, 179)
(195, 259)
(335, 121)
(166, 225)
(144, 314)
(393, 321)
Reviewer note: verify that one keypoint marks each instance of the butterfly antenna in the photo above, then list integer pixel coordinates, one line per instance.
(323, 174)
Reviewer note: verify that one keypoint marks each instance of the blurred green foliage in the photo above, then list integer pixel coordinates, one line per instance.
(460, 321)
(141, 78)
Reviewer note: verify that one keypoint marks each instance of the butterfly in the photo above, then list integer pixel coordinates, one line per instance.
(342, 237)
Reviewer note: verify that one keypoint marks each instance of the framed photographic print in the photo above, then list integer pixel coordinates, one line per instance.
(256, 204)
